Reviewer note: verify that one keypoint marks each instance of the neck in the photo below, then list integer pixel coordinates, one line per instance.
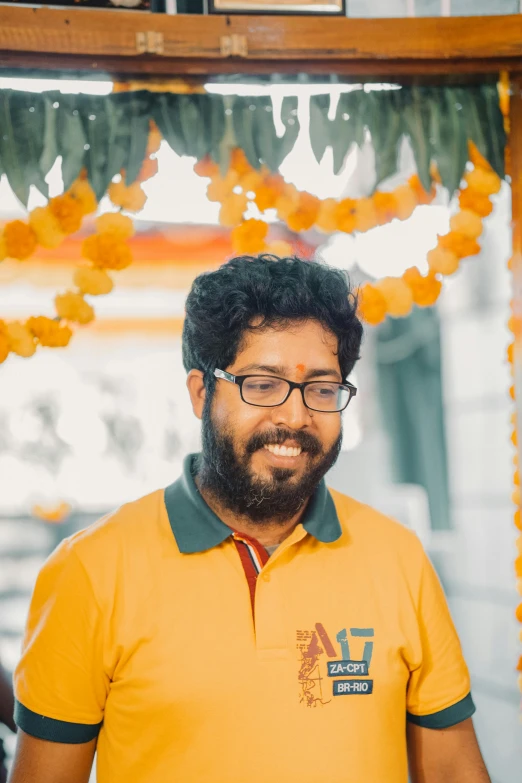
(267, 533)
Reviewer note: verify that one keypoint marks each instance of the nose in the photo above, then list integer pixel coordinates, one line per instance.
(293, 413)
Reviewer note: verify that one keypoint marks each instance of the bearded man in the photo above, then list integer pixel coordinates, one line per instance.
(246, 623)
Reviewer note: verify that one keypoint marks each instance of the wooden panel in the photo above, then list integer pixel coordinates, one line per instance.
(113, 33)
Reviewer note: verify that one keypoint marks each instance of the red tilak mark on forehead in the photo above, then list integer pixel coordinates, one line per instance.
(300, 367)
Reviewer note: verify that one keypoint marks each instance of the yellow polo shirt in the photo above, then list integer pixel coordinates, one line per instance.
(141, 632)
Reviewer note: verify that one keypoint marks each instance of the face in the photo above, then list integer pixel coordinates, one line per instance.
(265, 463)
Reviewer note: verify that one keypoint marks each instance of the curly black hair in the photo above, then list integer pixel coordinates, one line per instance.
(222, 306)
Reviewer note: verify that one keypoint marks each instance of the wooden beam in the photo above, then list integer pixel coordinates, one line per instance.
(110, 39)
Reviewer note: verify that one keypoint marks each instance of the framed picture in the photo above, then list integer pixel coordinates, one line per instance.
(302, 7)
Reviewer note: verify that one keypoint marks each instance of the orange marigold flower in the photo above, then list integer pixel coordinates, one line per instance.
(107, 251)
(306, 213)
(442, 261)
(21, 339)
(385, 206)
(407, 202)
(398, 296)
(249, 237)
(20, 240)
(149, 169)
(287, 201)
(371, 305)
(131, 198)
(345, 215)
(90, 280)
(239, 162)
(252, 181)
(46, 227)
(119, 226)
(73, 307)
(84, 194)
(154, 140)
(468, 223)
(518, 613)
(232, 209)
(5, 346)
(425, 290)
(68, 212)
(49, 332)
(220, 188)
(266, 197)
(511, 353)
(476, 202)
(206, 167)
(517, 518)
(486, 182)
(476, 157)
(327, 218)
(365, 215)
(423, 196)
(459, 244)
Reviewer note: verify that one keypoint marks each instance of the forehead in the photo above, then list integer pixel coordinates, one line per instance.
(308, 344)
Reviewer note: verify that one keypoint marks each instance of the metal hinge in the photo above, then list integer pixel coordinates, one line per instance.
(149, 43)
(233, 45)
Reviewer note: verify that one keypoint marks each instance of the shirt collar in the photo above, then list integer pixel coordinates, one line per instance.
(196, 528)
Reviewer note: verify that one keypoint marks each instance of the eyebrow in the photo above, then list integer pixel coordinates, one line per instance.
(318, 372)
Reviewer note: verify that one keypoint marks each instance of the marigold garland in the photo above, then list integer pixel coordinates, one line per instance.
(515, 327)
(107, 249)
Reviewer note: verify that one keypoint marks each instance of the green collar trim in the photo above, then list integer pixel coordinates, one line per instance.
(196, 528)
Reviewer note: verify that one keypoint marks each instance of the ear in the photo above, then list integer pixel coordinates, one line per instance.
(196, 389)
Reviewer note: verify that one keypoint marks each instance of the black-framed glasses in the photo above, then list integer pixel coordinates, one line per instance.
(269, 391)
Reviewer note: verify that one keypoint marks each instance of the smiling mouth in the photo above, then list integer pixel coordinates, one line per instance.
(283, 451)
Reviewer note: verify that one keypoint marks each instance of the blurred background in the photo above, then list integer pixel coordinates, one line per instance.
(427, 439)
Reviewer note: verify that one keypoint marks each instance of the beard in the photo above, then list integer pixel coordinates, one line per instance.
(229, 479)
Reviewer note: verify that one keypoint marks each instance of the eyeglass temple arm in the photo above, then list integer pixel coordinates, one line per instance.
(226, 376)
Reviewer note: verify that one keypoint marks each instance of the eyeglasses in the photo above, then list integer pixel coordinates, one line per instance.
(268, 391)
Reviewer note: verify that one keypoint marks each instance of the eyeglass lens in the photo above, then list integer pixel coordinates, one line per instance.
(321, 396)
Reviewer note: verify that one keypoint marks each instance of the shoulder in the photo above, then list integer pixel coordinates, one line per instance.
(378, 536)
(112, 545)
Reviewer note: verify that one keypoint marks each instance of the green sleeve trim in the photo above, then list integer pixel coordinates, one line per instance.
(54, 730)
(443, 719)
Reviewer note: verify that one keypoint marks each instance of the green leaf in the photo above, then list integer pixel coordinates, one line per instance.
(265, 137)
(486, 124)
(22, 124)
(70, 138)
(130, 132)
(213, 118)
(348, 126)
(449, 137)
(384, 113)
(165, 113)
(290, 119)
(244, 116)
(320, 125)
(98, 117)
(50, 145)
(416, 114)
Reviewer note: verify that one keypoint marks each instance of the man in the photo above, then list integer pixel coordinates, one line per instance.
(246, 624)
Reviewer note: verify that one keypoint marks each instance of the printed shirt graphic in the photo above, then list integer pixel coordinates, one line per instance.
(145, 637)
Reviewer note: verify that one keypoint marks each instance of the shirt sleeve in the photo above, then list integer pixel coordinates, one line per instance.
(60, 685)
(438, 693)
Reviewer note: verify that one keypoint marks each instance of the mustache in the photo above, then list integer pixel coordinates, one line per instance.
(306, 441)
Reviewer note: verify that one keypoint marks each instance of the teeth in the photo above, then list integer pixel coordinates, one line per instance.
(284, 451)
